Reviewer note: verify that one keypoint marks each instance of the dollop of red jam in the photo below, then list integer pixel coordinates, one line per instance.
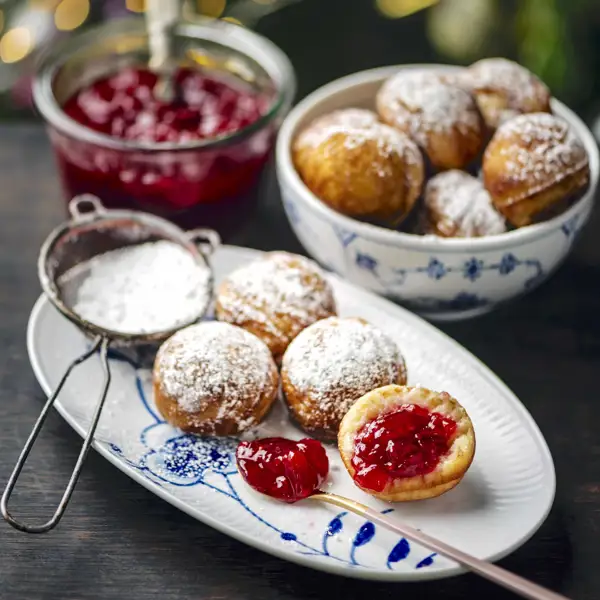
(406, 442)
(125, 106)
(283, 469)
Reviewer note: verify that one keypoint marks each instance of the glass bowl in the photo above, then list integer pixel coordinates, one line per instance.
(200, 182)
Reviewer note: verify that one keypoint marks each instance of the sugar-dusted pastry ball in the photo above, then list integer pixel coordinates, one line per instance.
(533, 167)
(456, 204)
(214, 379)
(504, 89)
(359, 166)
(333, 363)
(275, 297)
(442, 119)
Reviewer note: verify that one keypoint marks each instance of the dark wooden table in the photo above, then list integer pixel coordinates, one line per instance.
(119, 541)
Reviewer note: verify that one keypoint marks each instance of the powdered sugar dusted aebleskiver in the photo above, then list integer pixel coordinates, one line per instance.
(214, 378)
(333, 363)
(276, 297)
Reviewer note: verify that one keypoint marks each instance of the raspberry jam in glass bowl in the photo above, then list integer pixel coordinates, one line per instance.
(195, 160)
(124, 106)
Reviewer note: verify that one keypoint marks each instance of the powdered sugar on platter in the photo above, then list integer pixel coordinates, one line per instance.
(144, 288)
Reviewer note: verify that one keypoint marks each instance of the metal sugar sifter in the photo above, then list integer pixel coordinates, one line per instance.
(94, 230)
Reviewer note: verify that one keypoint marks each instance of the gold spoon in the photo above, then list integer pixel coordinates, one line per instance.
(504, 578)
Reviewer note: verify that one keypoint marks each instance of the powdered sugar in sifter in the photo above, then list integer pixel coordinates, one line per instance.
(72, 248)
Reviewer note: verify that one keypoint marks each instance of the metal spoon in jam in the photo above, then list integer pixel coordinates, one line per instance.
(161, 17)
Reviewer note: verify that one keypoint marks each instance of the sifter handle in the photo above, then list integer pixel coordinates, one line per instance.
(101, 343)
(207, 240)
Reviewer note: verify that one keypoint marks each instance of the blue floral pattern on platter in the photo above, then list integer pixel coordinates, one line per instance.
(173, 458)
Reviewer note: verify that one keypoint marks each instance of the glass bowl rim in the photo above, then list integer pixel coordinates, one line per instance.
(228, 35)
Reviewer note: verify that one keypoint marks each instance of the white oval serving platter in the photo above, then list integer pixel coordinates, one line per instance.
(501, 502)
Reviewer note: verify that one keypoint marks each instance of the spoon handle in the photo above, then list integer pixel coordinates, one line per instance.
(519, 585)
(160, 17)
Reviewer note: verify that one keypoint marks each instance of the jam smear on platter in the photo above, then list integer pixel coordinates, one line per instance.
(407, 442)
(283, 469)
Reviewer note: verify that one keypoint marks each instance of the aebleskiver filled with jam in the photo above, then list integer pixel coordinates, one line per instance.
(402, 443)
(406, 442)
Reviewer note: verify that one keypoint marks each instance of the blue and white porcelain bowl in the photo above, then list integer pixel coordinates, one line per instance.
(442, 279)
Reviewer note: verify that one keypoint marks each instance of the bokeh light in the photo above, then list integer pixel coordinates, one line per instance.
(233, 20)
(211, 8)
(70, 14)
(460, 29)
(136, 6)
(396, 9)
(43, 4)
(543, 43)
(15, 44)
